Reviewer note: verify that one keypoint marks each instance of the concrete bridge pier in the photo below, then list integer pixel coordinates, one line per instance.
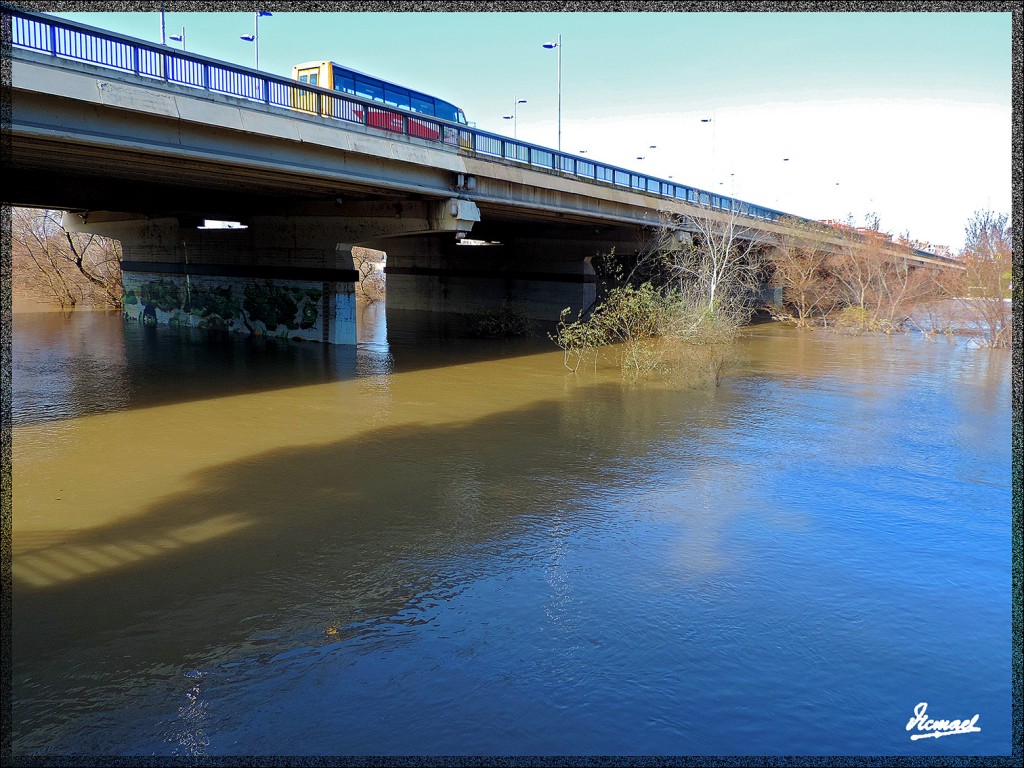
(536, 278)
(281, 277)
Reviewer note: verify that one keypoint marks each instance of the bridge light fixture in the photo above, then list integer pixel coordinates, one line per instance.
(255, 36)
(514, 117)
(558, 45)
(179, 38)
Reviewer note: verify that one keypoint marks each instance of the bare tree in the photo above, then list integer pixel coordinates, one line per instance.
(723, 265)
(64, 267)
(372, 284)
(878, 283)
(36, 261)
(800, 263)
(899, 288)
(982, 289)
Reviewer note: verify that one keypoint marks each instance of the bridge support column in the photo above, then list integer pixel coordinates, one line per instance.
(281, 277)
(340, 301)
(538, 279)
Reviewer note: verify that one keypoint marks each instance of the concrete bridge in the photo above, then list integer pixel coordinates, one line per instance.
(143, 143)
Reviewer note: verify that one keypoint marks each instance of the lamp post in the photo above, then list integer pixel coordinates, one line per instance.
(558, 45)
(163, 25)
(254, 38)
(514, 117)
(789, 181)
(179, 38)
(713, 123)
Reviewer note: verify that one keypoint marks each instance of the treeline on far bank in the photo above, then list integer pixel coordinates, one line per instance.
(701, 288)
(864, 283)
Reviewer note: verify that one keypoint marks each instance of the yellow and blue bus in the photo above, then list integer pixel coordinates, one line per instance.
(327, 74)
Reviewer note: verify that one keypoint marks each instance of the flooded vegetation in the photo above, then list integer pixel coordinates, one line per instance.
(427, 545)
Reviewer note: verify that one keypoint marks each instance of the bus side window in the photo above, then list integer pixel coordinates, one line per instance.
(445, 111)
(369, 89)
(422, 105)
(396, 98)
(344, 83)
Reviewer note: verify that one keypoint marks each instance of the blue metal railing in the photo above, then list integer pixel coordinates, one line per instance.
(78, 42)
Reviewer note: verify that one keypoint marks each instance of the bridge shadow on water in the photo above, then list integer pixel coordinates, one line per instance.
(301, 546)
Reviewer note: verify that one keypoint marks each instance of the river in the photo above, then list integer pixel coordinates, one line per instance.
(433, 546)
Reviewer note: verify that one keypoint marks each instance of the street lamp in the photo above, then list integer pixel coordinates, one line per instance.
(785, 185)
(558, 45)
(514, 117)
(179, 38)
(712, 121)
(255, 36)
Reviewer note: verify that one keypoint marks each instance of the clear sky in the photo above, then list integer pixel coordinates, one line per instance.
(904, 114)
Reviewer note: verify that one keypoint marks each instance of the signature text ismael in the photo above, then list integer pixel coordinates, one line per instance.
(928, 728)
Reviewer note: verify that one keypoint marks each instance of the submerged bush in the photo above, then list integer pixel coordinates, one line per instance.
(648, 328)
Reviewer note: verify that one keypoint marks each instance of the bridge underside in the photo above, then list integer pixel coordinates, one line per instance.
(292, 274)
